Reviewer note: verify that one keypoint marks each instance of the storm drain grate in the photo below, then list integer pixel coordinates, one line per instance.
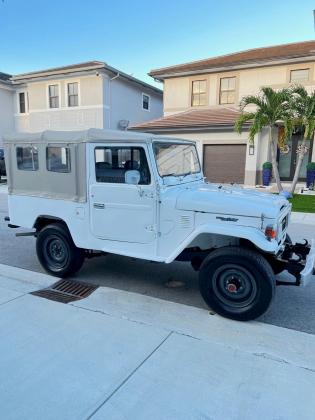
(66, 291)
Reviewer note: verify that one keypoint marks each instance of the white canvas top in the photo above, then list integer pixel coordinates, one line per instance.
(92, 135)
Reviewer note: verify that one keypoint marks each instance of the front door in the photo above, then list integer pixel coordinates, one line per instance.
(287, 158)
(121, 211)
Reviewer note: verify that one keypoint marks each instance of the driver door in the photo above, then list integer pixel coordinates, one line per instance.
(120, 211)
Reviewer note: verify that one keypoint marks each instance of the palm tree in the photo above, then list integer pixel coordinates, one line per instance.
(271, 107)
(303, 106)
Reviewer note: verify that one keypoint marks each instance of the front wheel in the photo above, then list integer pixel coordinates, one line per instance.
(57, 252)
(237, 283)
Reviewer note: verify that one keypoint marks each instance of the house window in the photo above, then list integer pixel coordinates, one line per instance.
(22, 102)
(73, 94)
(27, 158)
(301, 75)
(227, 90)
(199, 93)
(145, 102)
(58, 159)
(112, 163)
(53, 91)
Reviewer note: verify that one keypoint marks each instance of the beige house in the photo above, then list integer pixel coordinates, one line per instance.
(76, 97)
(201, 102)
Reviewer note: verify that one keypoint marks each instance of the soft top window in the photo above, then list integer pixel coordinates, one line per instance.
(58, 159)
(27, 158)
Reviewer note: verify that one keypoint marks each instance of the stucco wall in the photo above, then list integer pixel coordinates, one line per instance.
(125, 101)
(177, 91)
(39, 116)
(102, 104)
(6, 110)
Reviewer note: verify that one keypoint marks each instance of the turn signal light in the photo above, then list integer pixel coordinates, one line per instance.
(270, 232)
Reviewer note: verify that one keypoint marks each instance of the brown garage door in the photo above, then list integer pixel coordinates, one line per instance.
(224, 162)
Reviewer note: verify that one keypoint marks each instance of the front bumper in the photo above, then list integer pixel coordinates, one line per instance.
(308, 273)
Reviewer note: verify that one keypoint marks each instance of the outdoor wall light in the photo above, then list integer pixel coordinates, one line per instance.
(251, 149)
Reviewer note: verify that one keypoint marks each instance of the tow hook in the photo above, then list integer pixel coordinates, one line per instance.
(293, 259)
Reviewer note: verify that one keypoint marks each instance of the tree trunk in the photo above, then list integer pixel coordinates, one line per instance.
(298, 166)
(274, 160)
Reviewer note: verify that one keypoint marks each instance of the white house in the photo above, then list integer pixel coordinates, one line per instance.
(75, 97)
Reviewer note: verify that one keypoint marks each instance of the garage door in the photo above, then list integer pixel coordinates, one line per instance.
(224, 162)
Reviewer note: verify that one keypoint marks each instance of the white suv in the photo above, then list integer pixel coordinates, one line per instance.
(145, 196)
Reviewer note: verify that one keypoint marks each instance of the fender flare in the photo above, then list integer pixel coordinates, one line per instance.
(252, 234)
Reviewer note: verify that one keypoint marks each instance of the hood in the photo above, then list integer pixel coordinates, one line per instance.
(230, 200)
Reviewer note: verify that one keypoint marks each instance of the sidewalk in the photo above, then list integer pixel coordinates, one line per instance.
(120, 355)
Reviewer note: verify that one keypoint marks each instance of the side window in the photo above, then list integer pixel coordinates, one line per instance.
(58, 159)
(111, 164)
(27, 158)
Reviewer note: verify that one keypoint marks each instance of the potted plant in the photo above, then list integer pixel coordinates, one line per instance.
(267, 169)
(310, 177)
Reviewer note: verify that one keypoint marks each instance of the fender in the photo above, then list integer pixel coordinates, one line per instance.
(252, 234)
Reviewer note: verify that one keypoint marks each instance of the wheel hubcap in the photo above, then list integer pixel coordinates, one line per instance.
(234, 285)
(56, 252)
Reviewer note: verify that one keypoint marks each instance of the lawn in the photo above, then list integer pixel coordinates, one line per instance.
(303, 203)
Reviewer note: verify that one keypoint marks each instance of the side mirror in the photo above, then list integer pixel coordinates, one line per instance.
(132, 177)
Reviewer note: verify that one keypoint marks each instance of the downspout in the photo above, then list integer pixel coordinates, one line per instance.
(110, 98)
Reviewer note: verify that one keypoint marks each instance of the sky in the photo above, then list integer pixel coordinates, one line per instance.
(137, 36)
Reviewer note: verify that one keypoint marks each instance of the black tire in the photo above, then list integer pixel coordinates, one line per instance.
(237, 283)
(57, 252)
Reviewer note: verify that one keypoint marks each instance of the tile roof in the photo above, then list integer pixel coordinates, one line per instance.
(252, 56)
(195, 118)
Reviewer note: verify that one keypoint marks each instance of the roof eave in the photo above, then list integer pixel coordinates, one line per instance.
(191, 128)
(264, 63)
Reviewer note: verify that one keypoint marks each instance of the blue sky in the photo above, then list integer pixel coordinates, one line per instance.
(136, 36)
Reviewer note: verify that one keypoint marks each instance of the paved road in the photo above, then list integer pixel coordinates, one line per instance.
(292, 308)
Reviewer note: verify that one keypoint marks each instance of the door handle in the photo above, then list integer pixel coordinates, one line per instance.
(99, 206)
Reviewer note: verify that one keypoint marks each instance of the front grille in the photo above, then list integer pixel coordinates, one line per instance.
(284, 223)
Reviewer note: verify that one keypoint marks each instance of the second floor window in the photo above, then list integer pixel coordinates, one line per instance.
(145, 102)
(199, 93)
(73, 94)
(301, 75)
(53, 91)
(22, 102)
(227, 90)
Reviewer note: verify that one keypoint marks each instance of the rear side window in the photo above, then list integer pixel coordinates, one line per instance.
(27, 158)
(112, 163)
(58, 159)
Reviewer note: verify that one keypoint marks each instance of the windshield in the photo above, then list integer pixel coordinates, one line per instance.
(176, 159)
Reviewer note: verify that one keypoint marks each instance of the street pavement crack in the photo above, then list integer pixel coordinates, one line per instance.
(129, 376)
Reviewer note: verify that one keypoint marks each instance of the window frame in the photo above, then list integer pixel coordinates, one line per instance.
(299, 69)
(149, 102)
(227, 90)
(68, 156)
(35, 167)
(67, 83)
(49, 97)
(122, 146)
(205, 92)
(18, 93)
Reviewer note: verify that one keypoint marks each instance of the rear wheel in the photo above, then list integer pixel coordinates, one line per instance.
(237, 283)
(57, 252)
